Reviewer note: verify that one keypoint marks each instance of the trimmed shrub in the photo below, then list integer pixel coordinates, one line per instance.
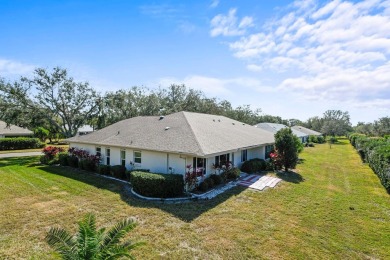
(216, 178)
(269, 166)
(19, 143)
(234, 173)
(73, 161)
(210, 182)
(157, 185)
(375, 151)
(320, 140)
(203, 186)
(104, 169)
(88, 165)
(118, 171)
(63, 158)
(253, 165)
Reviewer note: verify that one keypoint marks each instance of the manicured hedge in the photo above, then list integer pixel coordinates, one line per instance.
(316, 139)
(19, 143)
(118, 171)
(234, 173)
(376, 152)
(253, 165)
(157, 185)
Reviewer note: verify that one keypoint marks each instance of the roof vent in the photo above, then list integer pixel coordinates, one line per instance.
(213, 120)
(119, 132)
(219, 120)
(162, 117)
(166, 128)
(233, 123)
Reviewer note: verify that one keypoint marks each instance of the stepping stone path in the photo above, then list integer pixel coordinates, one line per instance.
(258, 182)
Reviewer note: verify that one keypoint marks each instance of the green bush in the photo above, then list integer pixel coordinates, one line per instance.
(269, 166)
(19, 143)
(104, 169)
(375, 151)
(48, 161)
(216, 178)
(157, 185)
(73, 161)
(320, 140)
(253, 165)
(203, 186)
(118, 171)
(88, 165)
(234, 173)
(63, 158)
(210, 182)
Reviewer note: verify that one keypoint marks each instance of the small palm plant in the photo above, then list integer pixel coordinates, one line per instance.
(89, 243)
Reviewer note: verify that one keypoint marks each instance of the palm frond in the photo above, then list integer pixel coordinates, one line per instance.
(61, 241)
(86, 237)
(114, 235)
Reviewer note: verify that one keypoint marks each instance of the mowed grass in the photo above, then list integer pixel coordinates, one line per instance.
(333, 208)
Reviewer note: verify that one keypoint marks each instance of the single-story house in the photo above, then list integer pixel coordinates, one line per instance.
(306, 130)
(168, 144)
(273, 128)
(84, 130)
(13, 131)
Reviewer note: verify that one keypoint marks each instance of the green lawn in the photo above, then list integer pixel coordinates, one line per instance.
(335, 207)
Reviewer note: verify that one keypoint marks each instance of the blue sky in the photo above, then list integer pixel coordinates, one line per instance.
(293, 59)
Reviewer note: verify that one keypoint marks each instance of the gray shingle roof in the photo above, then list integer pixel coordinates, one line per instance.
(182, 132)
(272, 127)
(306, 130)
(13, 130)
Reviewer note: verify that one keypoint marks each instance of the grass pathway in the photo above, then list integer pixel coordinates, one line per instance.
(333, 208)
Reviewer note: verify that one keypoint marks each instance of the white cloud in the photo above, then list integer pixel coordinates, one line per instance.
(212, 86)
(336, 51)
(10, 67)
(230, 25)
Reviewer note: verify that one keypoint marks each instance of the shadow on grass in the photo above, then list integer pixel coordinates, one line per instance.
(186, 211)
(290, 176)
(23, 161)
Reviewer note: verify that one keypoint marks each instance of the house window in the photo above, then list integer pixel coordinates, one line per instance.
(108, 154)
(199, 165)
(137, 157)
(244, 155)
(123, 157)
(268, 150)
(222, 159)
(98, 151)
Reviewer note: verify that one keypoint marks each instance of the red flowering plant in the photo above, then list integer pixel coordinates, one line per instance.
(190, 179)
(50, 155)
(276, 160)
(88, 161)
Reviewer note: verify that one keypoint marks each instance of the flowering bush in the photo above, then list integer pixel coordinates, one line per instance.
(276, 160)
(51, 155)
(191, 176)
(86, 161)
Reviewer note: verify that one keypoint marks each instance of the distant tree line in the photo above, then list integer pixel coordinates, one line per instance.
(55, 101)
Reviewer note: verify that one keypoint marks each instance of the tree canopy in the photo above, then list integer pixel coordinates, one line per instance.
(51, 96)
(286, 148)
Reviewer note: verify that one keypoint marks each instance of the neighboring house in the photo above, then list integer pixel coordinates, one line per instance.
(167, 144)
(84, 130)
(13, 131)
(273, 128)
(306, 130)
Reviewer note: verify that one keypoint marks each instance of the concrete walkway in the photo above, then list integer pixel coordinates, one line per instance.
(9, 155)
(258, 182)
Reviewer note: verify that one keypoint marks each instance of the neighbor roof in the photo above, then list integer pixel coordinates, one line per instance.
(13, 130)
(273, 128)
(306, 130)
(182, 132)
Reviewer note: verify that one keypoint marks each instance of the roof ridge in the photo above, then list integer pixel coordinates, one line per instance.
(192, 132)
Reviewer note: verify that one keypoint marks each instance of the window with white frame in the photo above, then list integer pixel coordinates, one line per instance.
(199, 165)
(244, 155)
(268, 150)
(137, 157)
(222, 159)
(123, 157)
(98, 151)
(108, 154)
